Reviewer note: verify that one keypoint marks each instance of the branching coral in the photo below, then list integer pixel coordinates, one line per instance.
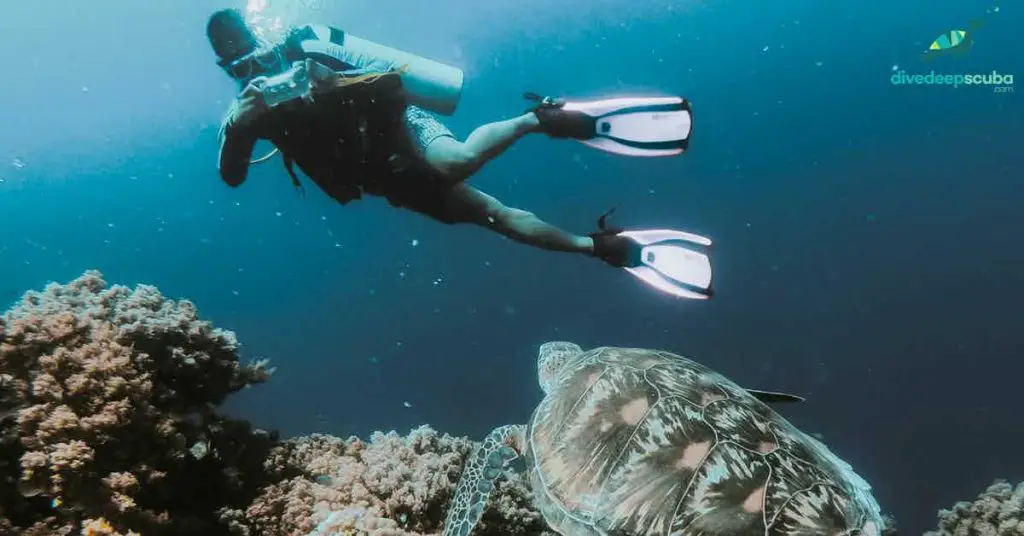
(391, 485)
(998, 511)
(108, 427)
(103, 391)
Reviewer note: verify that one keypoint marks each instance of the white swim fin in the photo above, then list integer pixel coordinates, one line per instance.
(674, 262)
(639, 126)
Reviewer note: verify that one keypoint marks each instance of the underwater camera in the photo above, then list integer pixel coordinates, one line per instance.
(290, 85)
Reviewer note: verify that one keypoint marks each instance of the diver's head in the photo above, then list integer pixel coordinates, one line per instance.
(230, 37)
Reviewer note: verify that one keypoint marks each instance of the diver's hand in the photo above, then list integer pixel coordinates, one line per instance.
(250, 105)
(321, 77)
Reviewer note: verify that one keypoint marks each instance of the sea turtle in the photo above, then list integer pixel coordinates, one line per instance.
(631, 441)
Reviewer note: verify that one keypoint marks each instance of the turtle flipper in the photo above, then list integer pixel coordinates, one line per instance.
(483, 468)
(774, 396)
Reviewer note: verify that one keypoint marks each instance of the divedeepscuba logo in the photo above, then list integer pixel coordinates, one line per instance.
(955, 43)
(1003, 83)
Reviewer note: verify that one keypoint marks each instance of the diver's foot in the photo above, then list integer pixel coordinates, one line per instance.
(616, 250)
(557, 122)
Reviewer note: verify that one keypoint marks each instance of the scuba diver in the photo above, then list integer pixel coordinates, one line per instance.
(355, 116)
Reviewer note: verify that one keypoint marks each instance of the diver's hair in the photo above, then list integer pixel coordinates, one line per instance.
(368, 78)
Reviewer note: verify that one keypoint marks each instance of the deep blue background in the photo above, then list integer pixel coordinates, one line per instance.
(868, 236)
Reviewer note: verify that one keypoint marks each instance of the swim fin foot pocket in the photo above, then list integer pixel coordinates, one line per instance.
(636, 126)
(673, 262)
(557, 122)
(613, 248)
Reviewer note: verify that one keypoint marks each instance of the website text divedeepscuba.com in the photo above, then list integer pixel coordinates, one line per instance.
(1000, 83)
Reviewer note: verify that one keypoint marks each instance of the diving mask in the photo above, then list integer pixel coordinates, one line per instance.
(260, 62)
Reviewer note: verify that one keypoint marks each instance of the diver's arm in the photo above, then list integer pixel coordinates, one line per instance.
(236, 145)
(239, 132)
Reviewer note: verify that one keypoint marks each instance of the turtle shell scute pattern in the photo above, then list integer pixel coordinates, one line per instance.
(639, 441)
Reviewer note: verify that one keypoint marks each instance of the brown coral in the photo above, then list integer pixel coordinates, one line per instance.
(391, 485)
(998, 511)
(108, 427)
(102, 392)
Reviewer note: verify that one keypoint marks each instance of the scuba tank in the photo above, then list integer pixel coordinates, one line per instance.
(427, 83)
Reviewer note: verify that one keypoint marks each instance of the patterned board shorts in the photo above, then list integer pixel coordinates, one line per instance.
(424, 128)
(426, 193)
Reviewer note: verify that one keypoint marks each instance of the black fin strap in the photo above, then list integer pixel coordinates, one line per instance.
(542, 101)
(602, 224)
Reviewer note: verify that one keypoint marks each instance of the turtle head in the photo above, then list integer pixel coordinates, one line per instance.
(551, 360)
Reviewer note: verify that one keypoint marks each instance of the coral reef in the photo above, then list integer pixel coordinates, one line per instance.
(391, 485)
(107, 410)
(998, 511)
(109, 426)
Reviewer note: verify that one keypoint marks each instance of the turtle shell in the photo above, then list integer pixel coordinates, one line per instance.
(635, 441)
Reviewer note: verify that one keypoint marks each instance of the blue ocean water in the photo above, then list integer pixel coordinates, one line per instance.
(867, 234)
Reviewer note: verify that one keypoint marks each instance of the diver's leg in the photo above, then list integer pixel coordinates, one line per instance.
(457, 160)
(470, 205)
